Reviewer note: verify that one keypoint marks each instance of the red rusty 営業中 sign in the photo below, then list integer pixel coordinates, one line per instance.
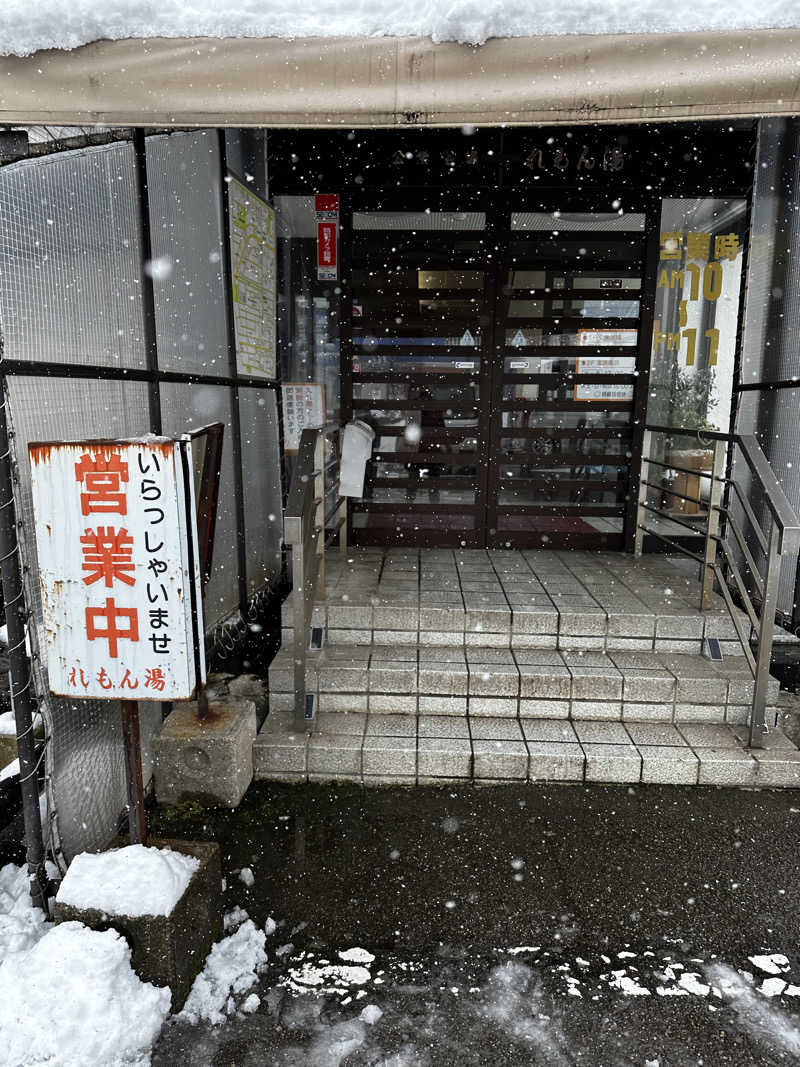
(115, 569)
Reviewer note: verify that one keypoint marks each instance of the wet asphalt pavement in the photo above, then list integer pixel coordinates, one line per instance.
(602, 925)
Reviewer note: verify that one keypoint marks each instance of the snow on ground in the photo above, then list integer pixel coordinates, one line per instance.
(9, 770)
(232, 969)
(27, 25)
(8, 725)
(21, 925)
(134, 880)
(68, 995)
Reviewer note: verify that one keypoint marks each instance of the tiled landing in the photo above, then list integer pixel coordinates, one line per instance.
(522, 599)
(380, 749)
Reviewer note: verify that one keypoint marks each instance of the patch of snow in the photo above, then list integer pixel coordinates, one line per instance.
(356, 955)
(10, 770)
(134, 880)
(335, 1043)
(73, 999)
(251, 1004)
(692, 984)
(8, 723)
(246, 875)
(627, 985)
(28, 25)
(232, 968)
(774, 963)
(21, 925)
(755, 1014)
(371, 1014)
(328, 978)
(772, 987)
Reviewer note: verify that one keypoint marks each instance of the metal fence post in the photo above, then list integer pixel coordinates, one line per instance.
(712, 524)
(644, 476)
(20, 672)
(766, 630)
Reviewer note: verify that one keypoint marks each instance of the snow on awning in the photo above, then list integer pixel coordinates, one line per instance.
(385, 81)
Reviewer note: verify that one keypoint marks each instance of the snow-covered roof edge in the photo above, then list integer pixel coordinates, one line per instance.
(27, 26)
(384, 81)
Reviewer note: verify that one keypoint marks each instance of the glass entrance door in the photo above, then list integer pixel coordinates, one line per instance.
(416, 349)
(495, 357)
(567, 341)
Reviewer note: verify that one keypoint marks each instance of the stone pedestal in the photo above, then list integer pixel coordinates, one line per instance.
(168, 950)
(210, 760)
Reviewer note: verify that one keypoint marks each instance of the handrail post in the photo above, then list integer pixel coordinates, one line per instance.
(319, 516)
(712, 524)
(299, 594)
(644, 476)
(766, 631)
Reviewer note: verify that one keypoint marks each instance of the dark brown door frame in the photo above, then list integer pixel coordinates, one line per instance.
(498, 206)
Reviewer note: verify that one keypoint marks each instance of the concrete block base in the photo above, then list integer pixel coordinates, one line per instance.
(209, 760)
(168, 950)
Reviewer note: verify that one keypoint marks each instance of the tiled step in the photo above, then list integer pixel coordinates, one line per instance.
(514, 683)
(434, 749)
(517, 599)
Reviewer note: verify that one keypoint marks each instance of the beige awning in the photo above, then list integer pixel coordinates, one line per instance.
(385, 81)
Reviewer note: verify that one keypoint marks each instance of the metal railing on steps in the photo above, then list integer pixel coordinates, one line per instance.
(746, 567)
(315, 516)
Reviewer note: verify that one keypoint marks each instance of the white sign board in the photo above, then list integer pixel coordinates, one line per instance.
(605, 365)
(253, 245)
(303, 409)
(112, 535)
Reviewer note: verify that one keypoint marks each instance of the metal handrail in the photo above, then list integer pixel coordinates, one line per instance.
(304, 529)
(783, 536)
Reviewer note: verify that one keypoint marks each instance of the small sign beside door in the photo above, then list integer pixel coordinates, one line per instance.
(326, 207)
(303, 409)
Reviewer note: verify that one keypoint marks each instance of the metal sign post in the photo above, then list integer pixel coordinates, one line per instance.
(203, 463)
(133, 771)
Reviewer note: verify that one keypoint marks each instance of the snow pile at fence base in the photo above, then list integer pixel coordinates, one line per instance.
(28, 25)
(21, 925)
(72, 999)
(134, 880)
(231, 970)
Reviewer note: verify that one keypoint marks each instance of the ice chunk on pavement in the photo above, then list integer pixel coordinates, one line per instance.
(73, 999)
(774, 963)
(134, 880)
(246, 875)
(356, 955)
(371, 1014)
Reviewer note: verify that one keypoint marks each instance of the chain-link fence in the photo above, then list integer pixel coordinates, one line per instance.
(115, 311)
